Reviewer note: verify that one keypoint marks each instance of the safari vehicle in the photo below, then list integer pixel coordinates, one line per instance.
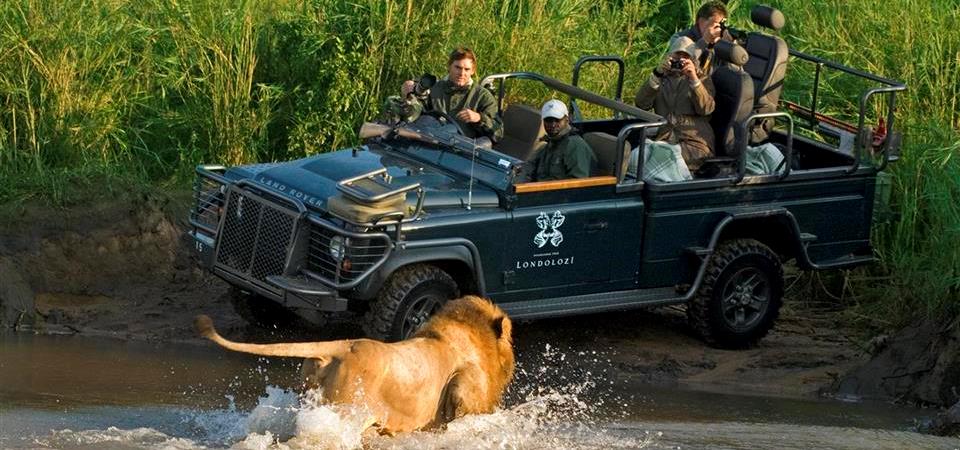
(420, 214)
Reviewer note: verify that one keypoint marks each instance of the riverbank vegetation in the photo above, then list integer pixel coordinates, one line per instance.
(102, 94)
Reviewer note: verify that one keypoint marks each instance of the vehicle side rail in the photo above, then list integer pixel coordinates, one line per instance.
(553, 185)
(890, 87)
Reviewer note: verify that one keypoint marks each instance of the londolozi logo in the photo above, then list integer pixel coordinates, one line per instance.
(549, 229)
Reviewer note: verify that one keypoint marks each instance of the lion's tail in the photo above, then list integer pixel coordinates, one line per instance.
(317, 350)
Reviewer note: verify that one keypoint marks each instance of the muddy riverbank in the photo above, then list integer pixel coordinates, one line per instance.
(123, 269)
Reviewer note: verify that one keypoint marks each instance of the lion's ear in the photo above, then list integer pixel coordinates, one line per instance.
(501, 327)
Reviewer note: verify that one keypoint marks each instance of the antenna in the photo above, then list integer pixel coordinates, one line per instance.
(473, 160)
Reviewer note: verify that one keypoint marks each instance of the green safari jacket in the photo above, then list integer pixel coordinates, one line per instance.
(450, 99)
(565, 156)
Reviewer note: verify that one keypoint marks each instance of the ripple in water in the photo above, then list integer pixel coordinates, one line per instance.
(555, 402)
(545, 409)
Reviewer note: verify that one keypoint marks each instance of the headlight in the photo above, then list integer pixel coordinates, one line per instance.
(338, 247)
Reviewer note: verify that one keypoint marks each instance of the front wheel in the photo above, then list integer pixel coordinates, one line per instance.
(740, 297)
(407, 300)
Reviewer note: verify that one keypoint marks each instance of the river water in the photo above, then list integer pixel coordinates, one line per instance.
(87, 393)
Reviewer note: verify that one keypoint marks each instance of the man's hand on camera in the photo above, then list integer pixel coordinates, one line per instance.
(664, 67)
(407, 87)
(689, 70)
(467, 115)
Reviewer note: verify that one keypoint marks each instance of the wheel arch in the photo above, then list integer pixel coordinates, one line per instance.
(776, 229)
(458, 260)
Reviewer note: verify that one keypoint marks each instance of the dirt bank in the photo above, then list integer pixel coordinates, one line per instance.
(123, 268)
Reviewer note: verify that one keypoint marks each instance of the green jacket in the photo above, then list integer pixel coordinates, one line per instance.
(565, 156)
(450, 99)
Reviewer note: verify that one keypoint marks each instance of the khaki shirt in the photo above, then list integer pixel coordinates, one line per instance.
(447, 98)
(687, 110)
(565, 156)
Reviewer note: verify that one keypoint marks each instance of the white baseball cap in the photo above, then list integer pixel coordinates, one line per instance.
(553, 108)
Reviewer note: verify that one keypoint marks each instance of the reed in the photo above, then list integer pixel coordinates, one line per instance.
(143, 90)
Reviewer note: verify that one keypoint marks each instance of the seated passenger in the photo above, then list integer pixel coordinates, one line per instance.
(679, 92)
(474, 107)
(566, 154)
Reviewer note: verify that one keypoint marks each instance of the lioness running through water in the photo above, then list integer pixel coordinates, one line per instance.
(458, 363)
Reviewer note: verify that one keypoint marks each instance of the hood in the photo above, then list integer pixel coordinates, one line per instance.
(314, 179)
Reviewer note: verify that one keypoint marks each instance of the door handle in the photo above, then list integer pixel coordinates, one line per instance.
(596, 226)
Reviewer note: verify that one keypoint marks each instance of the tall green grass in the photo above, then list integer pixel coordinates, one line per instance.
(917, 42)
(144, 90)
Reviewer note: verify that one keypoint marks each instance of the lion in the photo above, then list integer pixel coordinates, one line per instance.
(459, 362)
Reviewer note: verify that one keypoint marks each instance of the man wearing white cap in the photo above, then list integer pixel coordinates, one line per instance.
(683, 95)
(566, 154)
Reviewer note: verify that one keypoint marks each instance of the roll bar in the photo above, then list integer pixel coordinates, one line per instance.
(572, 91)
(890, 88)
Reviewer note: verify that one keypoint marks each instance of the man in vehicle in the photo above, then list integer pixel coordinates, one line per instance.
(706, 32)
(566, 154)
(473, 107)
(683, 95)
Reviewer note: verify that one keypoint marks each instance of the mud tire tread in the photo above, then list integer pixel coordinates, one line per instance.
(380, 320)
(700, 313)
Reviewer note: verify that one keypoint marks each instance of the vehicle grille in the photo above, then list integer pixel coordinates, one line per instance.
(360, 255)
(256, 237)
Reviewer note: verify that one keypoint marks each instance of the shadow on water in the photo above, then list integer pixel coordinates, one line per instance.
(82, 393)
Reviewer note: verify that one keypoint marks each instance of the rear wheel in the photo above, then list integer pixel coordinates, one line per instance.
(741, 295)
(408, 299)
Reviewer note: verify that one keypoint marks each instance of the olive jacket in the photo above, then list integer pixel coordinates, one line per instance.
(565, 156)
(686, 108)
(450, 99)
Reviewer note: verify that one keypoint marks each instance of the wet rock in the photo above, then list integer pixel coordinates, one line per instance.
(16, 297)
(946, 423)
(919, 364)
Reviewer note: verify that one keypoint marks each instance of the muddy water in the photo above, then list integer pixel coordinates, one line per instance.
(87, 393)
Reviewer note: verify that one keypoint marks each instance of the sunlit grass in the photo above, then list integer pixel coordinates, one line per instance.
(142, 91)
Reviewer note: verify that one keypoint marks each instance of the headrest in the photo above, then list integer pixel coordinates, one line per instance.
(768, 17)
(731, 52)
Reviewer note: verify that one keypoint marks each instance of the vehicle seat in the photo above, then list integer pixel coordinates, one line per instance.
(734, 98)
(605, 148)
(767, 66)
(522, 130)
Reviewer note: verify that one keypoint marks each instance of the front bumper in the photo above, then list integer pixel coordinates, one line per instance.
(264, 242)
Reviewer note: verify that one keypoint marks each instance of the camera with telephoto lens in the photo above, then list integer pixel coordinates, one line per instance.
(421, 89)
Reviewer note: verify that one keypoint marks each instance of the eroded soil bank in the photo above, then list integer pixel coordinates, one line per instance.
(123, 268)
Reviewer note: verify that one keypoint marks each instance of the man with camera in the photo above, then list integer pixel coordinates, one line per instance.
(709, 28)
(473, 107)
(683, 95)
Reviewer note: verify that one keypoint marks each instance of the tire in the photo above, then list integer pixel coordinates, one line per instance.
(262, 312)
(740, 297)
(407, 300)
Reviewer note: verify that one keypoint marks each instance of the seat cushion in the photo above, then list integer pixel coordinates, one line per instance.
(605, 147)
(522, 130)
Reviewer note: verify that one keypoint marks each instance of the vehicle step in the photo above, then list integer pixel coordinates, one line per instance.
(590, 303)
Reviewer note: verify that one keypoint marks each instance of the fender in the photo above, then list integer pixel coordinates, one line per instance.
(407, 252)
(704, 253)
(796, 239)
